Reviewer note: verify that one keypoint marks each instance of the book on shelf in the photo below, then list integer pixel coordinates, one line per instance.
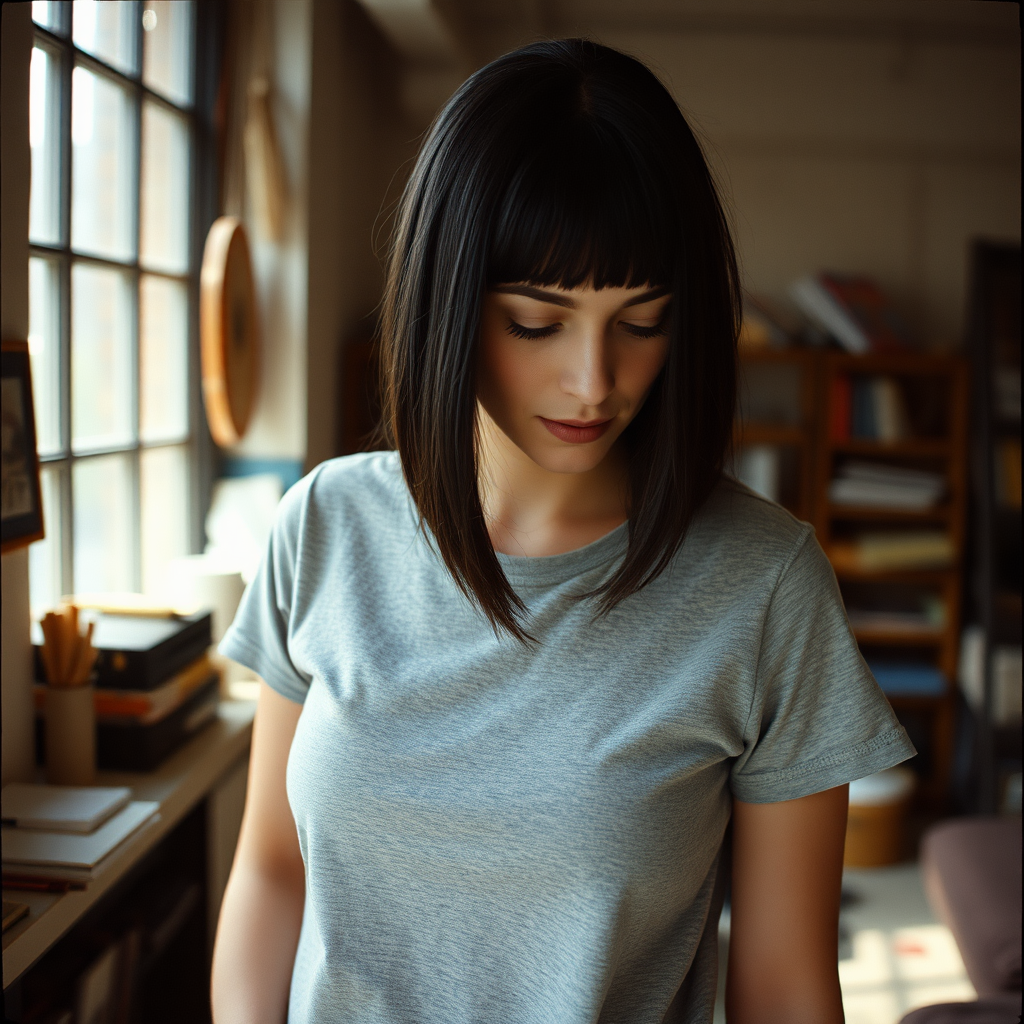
(145, 707)
(125, 745)
(61, 808)
(1006, 392)
(877, 551)
(840, 408)
(851, 309)
(1007, 472)
(139, 652)
(892, 622)
(37, 853)
(877, 485)
(867, 408)
(1006, 669)
(900, 679)
(758, 466)
(764, 325)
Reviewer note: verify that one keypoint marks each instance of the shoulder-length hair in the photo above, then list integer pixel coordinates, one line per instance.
(561, 163)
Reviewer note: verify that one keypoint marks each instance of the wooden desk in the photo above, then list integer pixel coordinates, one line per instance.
(179, 784)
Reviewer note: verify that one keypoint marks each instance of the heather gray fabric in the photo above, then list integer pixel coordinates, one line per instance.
(500, 834)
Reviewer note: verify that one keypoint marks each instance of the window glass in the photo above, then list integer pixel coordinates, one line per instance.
(43, 125)
(163, 243)
(163, 359)
(102, 187)
(101, 491)
(44, 556)
(106, 29)
(47, 13)
(101, 358)
(44, 351)
(163, 488)
(167, 48)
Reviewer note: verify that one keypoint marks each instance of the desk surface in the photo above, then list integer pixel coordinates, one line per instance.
(178, 784)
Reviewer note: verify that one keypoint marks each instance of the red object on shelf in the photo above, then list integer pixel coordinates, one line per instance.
(840, 408)
(870, 309)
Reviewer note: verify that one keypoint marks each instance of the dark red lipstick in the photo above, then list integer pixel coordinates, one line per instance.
(577, 431)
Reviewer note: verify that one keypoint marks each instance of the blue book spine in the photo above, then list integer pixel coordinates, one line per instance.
(908, 680)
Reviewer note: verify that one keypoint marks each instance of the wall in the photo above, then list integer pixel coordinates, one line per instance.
(277, 431)
(344, 140)
(880, 143)
(15, 648)
(357, 153)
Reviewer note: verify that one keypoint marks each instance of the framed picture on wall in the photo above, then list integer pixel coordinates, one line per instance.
(21, 503)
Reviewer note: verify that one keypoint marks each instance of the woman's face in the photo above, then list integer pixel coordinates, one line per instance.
(562, 373)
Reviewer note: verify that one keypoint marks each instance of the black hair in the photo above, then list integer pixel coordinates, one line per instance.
(561, 163)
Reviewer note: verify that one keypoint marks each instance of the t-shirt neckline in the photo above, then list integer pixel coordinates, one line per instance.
(527, 570)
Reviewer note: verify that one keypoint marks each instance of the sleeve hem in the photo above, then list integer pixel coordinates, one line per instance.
(279, 678)
(883, 751)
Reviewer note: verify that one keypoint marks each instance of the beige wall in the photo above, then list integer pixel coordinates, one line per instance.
(278, 426)
(878, 147)
(358, 149)
(343, 141)
(15, 648)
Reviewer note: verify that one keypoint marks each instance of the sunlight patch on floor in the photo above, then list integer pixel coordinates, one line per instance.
(894, 971)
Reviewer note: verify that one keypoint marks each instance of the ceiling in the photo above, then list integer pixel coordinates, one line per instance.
(983, 20)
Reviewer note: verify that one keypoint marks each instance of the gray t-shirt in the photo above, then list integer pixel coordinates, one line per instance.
(499, 833)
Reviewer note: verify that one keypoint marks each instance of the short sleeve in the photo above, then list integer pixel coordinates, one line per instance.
(818, 719)
(258, 636)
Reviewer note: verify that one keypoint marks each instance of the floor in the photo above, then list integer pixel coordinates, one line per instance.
(893, 955)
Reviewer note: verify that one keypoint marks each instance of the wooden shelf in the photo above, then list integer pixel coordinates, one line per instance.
(784, 356)
(770, 433)
(940, 514)
(178, 785)
(938, 384)
(922, 701)
(900, 637)
(908, 363)
(912, 577)
(915, 448)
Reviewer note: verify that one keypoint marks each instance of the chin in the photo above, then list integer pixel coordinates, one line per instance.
(569, 458)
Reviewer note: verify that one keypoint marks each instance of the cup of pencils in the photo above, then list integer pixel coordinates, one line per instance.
(68, 657)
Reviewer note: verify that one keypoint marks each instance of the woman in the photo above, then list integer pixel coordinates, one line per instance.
(521, 673)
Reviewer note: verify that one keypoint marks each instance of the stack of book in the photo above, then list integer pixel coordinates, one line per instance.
(920, 613)
(853, 310)
(884, 550)
(867, 409)
(875, 485)
(65, 836)
(155, 686)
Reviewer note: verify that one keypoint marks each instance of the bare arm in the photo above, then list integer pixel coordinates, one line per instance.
(260, 918)
(786, 881)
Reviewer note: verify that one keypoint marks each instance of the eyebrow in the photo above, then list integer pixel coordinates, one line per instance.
(558, 299)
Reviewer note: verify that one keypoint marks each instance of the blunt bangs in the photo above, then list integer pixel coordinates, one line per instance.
(582, 211)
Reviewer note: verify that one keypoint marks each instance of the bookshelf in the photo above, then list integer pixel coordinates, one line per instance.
(994, 591)
(906, 617)
(777, 417)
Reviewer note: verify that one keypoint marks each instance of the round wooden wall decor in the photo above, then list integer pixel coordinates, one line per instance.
(228, 329)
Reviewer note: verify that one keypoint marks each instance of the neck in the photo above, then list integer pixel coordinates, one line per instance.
(533, 511)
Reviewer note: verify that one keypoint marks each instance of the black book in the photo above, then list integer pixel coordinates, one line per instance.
(137, 652)
(131, 747)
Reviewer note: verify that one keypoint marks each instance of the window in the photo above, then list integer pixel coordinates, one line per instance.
(113, 287)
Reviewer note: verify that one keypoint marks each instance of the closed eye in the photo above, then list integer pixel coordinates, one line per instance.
(645, 332)
(519, 331)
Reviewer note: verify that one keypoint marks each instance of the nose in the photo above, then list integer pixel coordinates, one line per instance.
(588, 373)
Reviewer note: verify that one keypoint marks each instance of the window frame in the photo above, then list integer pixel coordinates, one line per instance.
(59, 44)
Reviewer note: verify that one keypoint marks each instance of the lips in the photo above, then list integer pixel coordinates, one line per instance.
(575, 431)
